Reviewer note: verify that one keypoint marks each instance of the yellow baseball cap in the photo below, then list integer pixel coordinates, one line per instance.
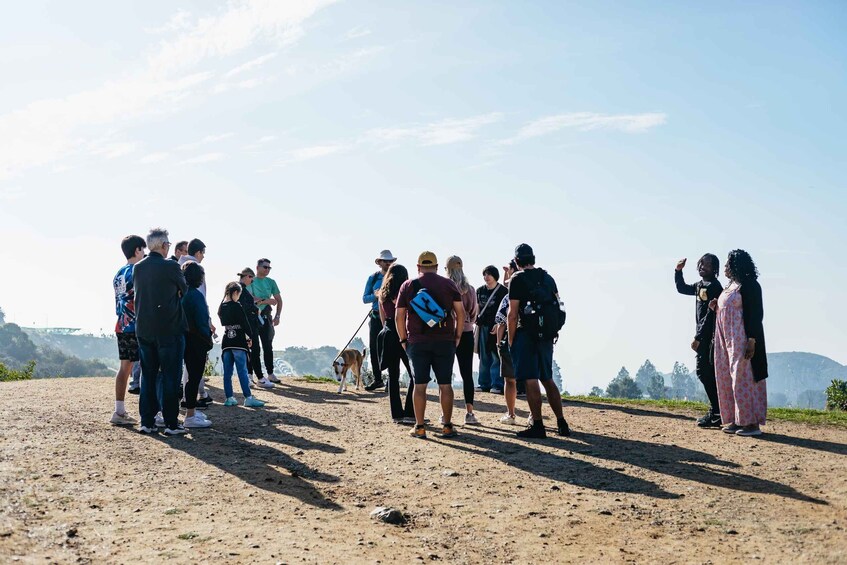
(427, 259)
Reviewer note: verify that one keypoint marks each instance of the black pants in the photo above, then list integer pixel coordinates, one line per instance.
(464, 355)
(195, 362)
(398, 409)
(375, 326)
(705, 368)
(255, 364)
(266, 336)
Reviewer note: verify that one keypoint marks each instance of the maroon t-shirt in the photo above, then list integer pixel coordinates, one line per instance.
(387, 308)
(445, 292)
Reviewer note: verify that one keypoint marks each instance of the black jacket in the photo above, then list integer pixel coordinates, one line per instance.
(754, 315)
(159, 287)
(249, 304)
(704, 318)
(236, 327)
(486, 318)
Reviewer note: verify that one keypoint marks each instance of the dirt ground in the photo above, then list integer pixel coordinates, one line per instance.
(297, 481)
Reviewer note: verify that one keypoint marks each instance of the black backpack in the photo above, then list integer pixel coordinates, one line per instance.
(542, 317)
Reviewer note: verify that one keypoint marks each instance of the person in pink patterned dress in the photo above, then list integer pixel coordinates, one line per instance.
(741, 364)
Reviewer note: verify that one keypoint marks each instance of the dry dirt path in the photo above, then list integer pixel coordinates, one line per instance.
(295, 482)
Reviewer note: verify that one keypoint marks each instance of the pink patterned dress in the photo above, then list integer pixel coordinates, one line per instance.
(743, 401)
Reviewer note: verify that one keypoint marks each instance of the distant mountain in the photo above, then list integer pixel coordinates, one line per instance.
(792, 373)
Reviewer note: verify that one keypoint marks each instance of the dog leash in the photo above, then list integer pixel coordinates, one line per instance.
(352, 338)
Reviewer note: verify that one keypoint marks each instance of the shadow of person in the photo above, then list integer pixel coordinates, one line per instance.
(684, 463)
(230, 446)
(323, 396)
(816, 444)
(555, 466)
(633, 410)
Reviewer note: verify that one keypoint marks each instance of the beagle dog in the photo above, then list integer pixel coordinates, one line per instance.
(349, 359)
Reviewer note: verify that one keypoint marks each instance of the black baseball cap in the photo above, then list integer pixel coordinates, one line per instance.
(523, 250)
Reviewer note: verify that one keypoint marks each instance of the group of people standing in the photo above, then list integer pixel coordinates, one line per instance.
(491, 321)
(729, 341)
(164, 326)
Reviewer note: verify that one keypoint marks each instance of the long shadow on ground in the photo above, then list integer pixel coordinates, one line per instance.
(555, 466)
(816, 444)
(684, 463)
(229, 446)
(625, 409)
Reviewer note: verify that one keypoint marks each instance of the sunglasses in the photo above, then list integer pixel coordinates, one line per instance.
(248, 276)
(268, 267)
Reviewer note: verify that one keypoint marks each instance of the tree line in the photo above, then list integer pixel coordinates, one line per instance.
(651, 382)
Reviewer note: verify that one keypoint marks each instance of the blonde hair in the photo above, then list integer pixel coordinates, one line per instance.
(456, 274)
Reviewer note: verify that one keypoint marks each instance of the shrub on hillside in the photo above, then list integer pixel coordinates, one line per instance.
(7, 374)
(836, 395)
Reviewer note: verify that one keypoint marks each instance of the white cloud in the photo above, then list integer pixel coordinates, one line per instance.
(179, 21)
(10, 193)
(213, 138)
(249, 65)
(205, 158)
(242, 84)
(153, 158)
(113, 150)
(443, 132)
(260, 143)
(309, 153)
(585, 121)
(357, 32)
(46, 130)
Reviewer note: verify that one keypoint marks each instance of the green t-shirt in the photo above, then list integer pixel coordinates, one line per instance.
(262, 289)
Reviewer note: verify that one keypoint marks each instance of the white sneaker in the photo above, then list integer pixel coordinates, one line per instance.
(160, 420)
(511, 420)
(265, 383)
(196, 422)
(122, 419)
(470, 419)
(273, 378)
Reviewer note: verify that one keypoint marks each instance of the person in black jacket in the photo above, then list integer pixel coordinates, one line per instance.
(704, 291)
(198, 342)
(235, 345)
(160, 327)
(254, 361)
(391, 352)
(741, 362)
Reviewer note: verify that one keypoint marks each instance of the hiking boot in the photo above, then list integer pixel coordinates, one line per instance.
(564, 429)
(122, 419)
(418, 432)
(470, 419)
(710, 419)
(447, 431)
(730, 429)
(749, 431)
(253, 402)
(535, 431)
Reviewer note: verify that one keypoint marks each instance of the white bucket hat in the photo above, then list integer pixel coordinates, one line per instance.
(385, 255)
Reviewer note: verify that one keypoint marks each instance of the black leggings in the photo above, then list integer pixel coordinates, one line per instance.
(464, 354)
(375, 327)
(266, 333)
(195, 362)
(398, 409)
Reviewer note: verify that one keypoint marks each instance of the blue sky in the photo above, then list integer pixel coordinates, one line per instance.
(614, 137)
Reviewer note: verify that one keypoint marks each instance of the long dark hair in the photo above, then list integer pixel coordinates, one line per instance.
(231, 288)
(396, 275)
(741, 267)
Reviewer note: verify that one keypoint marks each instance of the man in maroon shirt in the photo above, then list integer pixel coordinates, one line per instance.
(431, 348)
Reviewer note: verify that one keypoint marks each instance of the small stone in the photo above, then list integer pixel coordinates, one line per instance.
(389, 515)
(606, 512)
(450, 473)
(71, 533)
(555, 487)
(731, 532)
(755, 464)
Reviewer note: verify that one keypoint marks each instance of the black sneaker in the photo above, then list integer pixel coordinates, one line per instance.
(203, 403)
(177, 431)
(535, 431)
(135, 390)
(710, 420)
(375, 385)
(564, 430)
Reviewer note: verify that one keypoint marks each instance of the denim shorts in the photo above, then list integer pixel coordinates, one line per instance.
(533, 360)
(435, 356)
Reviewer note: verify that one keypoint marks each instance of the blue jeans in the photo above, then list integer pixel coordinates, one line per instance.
(237, 357)
(489, 362)
(135, 381)
(161, 375)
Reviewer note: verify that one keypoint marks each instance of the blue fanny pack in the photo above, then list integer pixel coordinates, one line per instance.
(428, 310)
